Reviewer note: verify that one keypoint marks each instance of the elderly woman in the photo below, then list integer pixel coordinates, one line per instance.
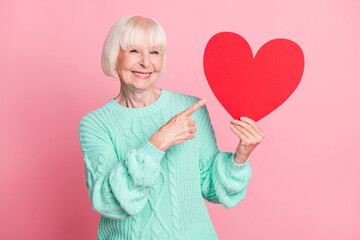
(147, 166)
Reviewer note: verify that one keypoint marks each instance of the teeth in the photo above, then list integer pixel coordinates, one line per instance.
(142, 74)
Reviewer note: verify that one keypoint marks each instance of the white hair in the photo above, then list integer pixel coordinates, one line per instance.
(132, 32)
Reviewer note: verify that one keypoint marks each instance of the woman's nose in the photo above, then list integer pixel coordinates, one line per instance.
(145, 61)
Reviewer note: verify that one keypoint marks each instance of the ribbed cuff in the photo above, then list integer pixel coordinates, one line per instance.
(147, 149)
(234, 167)
(143, 164)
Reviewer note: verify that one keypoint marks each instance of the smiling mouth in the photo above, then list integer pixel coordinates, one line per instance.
(142, 73)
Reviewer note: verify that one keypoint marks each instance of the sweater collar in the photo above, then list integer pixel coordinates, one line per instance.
(113, 106)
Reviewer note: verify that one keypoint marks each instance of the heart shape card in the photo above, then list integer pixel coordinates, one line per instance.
(252, 86)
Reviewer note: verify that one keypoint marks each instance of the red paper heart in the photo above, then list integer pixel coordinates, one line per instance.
(248, 86)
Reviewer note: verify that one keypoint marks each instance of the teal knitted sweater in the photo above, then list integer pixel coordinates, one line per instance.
(142, 192)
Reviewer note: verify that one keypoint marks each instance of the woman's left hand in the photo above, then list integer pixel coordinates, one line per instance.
(250, 136)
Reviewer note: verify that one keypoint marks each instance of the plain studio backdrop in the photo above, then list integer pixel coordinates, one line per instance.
(305, 182)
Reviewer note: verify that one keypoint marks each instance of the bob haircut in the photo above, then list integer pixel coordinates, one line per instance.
(132, 32)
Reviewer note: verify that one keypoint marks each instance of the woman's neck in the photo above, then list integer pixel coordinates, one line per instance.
(137, 99)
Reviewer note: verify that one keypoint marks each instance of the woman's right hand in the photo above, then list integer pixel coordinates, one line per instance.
(178, 129)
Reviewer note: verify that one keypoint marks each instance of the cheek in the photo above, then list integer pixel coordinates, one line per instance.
(132, 63)
(158, 64)
(128, 62)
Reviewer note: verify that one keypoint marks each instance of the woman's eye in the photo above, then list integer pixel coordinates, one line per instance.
(133, 50)
(155, 52)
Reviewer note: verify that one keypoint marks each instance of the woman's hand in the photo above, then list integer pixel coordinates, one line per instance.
(178, 129)
(250, 136)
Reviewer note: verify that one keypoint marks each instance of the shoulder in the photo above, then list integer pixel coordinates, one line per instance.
(96, 119)
(183, 99)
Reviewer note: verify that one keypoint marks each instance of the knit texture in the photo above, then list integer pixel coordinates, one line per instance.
(142, 192)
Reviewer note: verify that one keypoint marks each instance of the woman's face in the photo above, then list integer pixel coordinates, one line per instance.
(139, 68)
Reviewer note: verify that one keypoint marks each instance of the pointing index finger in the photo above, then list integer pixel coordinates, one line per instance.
(194, 107)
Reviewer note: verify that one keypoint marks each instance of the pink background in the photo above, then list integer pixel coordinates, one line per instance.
(306, 172)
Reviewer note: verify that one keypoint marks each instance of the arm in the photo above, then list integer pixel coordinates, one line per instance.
(222, 179)
(118, 188)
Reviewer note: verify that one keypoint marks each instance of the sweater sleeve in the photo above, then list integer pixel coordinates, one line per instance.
(222, 179)
(118, 188)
